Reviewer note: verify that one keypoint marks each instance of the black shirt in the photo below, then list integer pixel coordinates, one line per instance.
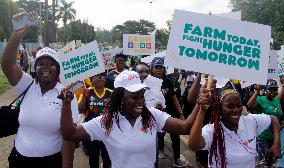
(109, 82)
(168, 92)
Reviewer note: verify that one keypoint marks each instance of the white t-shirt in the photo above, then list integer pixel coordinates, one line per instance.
(39, 132)
(131, 146)
(240, 147)
(190, 78)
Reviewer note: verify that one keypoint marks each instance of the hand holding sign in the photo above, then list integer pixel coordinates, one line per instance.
(22, 20)
(204, 97)
(70, 90)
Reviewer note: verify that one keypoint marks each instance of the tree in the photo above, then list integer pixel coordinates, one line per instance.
(77, 30)
(31, 6)
(162, 37)
(103, 35)
(66, 13)
(8, 8)
(268, 12)
(142, 27)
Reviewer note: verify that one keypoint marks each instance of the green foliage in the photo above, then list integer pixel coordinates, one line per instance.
(77, 30)
(142, 27)
(8, 8)
(4, 84)
(162, 37)
(31, 6)
(102, 35)
(66, 13)
(268, 12)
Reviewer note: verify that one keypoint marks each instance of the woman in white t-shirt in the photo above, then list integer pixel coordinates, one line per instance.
(38, 142)
(231, 138)
(127, 127)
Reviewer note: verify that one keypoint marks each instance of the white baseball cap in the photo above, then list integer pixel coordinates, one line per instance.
(129, 80)
(48, 52)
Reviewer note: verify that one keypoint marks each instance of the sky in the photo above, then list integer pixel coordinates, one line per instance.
(108, 13)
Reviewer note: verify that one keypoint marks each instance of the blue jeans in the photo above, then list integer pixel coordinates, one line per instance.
(263, 147)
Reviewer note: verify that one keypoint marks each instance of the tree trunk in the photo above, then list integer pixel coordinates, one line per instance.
(53, 34)
(64, 34)
(45, 39)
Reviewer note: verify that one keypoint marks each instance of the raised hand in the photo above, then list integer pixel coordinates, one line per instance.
(65, 95)
(204, 98)
(257, 87)
(19, 34)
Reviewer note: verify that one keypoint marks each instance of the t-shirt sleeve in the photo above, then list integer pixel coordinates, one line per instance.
(263, 121)
(23, 84)
(207, 134)
(94, 128)
(160, 117)
(257, 104)
(75, 110)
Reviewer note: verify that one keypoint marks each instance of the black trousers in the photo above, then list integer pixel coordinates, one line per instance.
(16, 160)
(94, 149)
(175, 143)
(202, 157)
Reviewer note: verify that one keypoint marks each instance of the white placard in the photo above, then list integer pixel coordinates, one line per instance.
(68, 48)
(231, 15)
(219, 46)
(108, 56)
(135, 44)
(272, 65)
(149, 59)
(81, 63)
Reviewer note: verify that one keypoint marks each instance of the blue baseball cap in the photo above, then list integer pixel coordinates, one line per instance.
(157, 61)
(271, 84)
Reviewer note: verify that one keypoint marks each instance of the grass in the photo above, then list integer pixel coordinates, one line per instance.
(4, 84)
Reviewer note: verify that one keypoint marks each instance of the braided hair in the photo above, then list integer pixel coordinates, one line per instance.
(114, 106)
(218, 143)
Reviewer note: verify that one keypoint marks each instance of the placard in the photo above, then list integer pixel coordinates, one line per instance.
(68, 48)
(272, 65)
(135, 44)
(219, 46)
(81, 63)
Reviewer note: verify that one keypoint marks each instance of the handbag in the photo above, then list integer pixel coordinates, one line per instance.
(9, 122)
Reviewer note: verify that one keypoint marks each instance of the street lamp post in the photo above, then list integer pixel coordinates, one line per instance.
(151, 4)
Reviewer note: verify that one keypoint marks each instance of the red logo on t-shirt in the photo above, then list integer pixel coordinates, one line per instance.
(130, 77)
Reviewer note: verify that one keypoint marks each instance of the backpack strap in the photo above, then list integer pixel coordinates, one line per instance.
(22, 94)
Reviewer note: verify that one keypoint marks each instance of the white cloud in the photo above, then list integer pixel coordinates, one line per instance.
(108, 13)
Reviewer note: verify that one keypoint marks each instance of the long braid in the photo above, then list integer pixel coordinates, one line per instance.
(218, 144)
(114, 105)
(112, 108)
(148, 120)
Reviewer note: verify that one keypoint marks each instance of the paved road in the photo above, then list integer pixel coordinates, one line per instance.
(81, 160)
